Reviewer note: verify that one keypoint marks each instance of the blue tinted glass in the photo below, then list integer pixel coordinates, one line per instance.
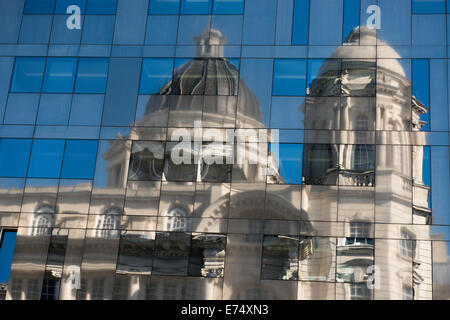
(155, 74)
(7, 244)
(101, 7)
(92, 75)
(60, 75)
(300, 25)
(86, 109)
(62, 5)
(46, 158)
(426, 166)
(98, 29)
(196, 6)
(289, 77)
(28, 73)
(39, 7)
(351, 17)
(35, 29)
(290, 161)
(14, 155)
(54, 109)
(161, 30)
(61, 34)
(230, 26)
(79, 159)
(286, 113)
(192, 27)
(164, 6)
(428, 6)
(21, 108)
(228, 7)
(421, 87)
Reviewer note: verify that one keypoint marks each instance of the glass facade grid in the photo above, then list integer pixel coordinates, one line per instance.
(108, 129)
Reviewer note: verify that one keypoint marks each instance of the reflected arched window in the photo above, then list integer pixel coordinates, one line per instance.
(363, 157)
(43, 221)
(177, 220)
(146, 160)
(108, 223)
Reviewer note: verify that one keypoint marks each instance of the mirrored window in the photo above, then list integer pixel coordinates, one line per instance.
(289, 77)
(14, 155)
(98, 29)
(420, 71)
(320, 164)
(54, 109)
(35, 29)
(60, 75)
(21, 108)
(196, 6)
(172, 253)
(62, 5)
(79, 159)
(91, 76)
(7, 244)
(300, 26)
(28, 74)
(146, 160)
(101, 6)
(156, 73)
(86, 110)
(280, 258)
(428, 6)
(164, 6)
(46, 158)
(228, 7)
(207, 255)
(39, 6)
(285, 163)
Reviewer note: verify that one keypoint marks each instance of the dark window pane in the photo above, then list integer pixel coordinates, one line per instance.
(39, 7)
(228, 7)
(79, 159)
(428, 6)
(289, 77)
(300, 24)
(320, 164)
(196, 6)
(136, 253)
(60, 75)
(28, 73)
(62, 5)
(280, 258)
(7, 243)
(92, 75)
(46, 158)
(101, 7)
(14, 155)
(172, 253)
(164, 6)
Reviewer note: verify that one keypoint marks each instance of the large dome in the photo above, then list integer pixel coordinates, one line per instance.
(214, 77)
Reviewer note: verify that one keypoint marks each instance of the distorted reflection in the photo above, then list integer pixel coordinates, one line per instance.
(298, 225)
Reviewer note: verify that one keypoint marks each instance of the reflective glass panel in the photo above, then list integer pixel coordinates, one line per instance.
(164, 6)
(7, 243)
(228, 7)
(289, 77)
(101, 7)
(428, 6)
(91, 76)
(14, 155)
(196, 6)
(155, 74)
(27, 76)
(39, 6)
(79, 159)
(46, 158)
(60, 75)
(280, 258)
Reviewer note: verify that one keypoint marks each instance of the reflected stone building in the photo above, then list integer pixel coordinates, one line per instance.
(357, 227)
